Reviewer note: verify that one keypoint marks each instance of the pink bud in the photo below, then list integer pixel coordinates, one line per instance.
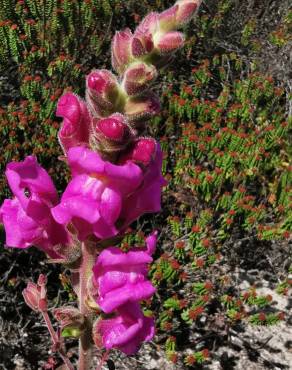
(149, 25)
(32, 295)
(76, 121)
(167, 19)
(139, 108)
(187, 9)
(42, 280)
(142, 151)
(102, 92)
(138, 77)
(142, 45)
(113, 127)
(178, 15)
(170, 42)
(121, 51)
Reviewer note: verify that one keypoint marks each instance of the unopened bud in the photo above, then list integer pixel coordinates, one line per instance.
(186, 10)
(142, 45)
(140, 108)
(178, 15)
(142, 42)
(113, 128)
(169, 42)
(32, 295)
(72, 322)
(121, 50)
(102, 92)
(75, 126)
(142, 151)
(42, 280)
(138, 77)
(167, 19)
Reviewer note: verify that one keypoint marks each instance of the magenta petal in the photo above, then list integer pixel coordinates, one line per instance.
(129, 292)
(11, 213)
(114, 256)
(76, 121)
(151, 241)
(148, 198)
(29, 175)
(127, 330)
(110, 205)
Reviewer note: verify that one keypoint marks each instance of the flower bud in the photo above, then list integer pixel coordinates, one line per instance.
(167, 19)
(138, 77)
(121, 50)
(102, 92)
(186, 10)
(178, 15)
(112, 128)
(142, 151)
(141, 45)
(76, 120)
(72, 322)
(32, 295)
(169, 42)
(142, 42)
(140, 108)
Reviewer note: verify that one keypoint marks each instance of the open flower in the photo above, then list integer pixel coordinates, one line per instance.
(94, 197)
(148, 197)
(27, 218)
(126, 331)
(122, 277)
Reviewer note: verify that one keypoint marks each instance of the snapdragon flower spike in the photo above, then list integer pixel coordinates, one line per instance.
(76, 121)
(103, 94)
(126, 331)
(138, 77)
(27, 218)
(121, 50)
(178, 15)
(94, 197)
(122, 277)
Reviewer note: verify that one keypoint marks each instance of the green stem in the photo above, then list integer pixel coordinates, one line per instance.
(85, 341)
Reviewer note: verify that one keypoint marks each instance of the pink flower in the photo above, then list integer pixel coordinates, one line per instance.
(94, 197)
(76, 121)
(26, 217)
(126, 331)
(122, 277)
(148, 197)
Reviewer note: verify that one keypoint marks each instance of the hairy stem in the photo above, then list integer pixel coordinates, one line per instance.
(56, 341)
(85, 341)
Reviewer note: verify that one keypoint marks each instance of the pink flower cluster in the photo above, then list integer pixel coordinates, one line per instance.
(121, 282)
(116, 176)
